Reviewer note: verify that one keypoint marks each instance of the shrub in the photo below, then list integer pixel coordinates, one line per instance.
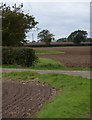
(18, 56)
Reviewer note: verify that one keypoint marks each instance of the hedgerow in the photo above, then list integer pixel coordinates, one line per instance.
(18, 56)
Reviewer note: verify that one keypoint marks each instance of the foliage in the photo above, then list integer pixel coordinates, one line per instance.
(62, 40)
(18, 56)
(78, 36)
(33, 41)
(45, 36)
(69, 44)
(15, 25)
(89, 40)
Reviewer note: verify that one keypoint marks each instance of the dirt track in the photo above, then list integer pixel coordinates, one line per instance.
(23, 99)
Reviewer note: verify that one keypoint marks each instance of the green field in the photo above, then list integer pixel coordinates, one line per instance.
(47, 52)
(72, 100)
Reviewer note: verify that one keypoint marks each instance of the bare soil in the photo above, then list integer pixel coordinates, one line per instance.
(72, 56)
(23, 99)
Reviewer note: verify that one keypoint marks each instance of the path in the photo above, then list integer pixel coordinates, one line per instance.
(86, 74)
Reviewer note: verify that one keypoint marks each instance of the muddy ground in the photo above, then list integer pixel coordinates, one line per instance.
(72, 56)
(23, 99)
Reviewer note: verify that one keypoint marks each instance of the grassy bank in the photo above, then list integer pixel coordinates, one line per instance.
(47, 64)
(72, 100)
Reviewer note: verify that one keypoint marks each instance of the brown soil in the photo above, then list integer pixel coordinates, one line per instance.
(23, 99)
(72, 57)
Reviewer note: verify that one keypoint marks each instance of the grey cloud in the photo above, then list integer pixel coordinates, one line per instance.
(60, 18)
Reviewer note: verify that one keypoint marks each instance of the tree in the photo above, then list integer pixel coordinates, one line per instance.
(62, 40)
(45, 36)
(89, 40)
(78, 36)
(15, 25)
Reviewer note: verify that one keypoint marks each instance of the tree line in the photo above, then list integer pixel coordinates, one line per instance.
(76, 37)
(16, 24)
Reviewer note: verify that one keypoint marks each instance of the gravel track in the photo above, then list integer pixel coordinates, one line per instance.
(86, 74)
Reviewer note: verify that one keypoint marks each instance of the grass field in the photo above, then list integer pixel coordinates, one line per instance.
(47, 52)
(72, 99)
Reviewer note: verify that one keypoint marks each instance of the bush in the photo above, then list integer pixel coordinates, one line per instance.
(18, 56)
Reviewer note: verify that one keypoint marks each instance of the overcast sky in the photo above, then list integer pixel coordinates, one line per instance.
(60, 18)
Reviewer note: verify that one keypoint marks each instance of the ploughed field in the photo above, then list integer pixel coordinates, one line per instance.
(72, 56)
(23, 99)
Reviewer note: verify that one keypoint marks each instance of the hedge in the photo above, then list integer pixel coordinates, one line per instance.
(18, 56)
(59, 45)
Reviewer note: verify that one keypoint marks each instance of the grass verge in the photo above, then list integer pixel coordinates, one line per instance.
(73, 99)
(47, 64)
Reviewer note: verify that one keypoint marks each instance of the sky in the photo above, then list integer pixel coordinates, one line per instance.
(60, 18)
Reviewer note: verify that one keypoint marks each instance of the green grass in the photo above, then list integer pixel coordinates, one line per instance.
(47, 64)
(26, 76)
(42, 64)
(47, 52)
(72, 100)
